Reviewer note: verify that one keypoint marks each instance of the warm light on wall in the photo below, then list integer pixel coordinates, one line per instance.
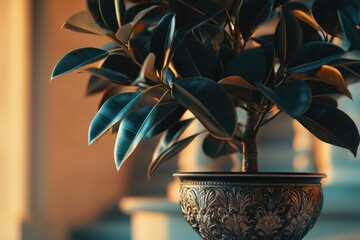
(14, 48)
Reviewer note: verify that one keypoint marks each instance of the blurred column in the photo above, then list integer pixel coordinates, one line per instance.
(14, 69)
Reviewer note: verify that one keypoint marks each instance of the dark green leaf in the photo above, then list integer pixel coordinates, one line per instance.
(162, 40)
(325, 14)
(131, 131)
(333, 76)
(250, 65)
(140, 47)
(124, 33)
(292, 96)
(172, 135)
(123, 64)
(264, 39)
(109, 14)
(119, 106)
(217, 114)
(111, 112)
(109, 75)
(313, 55)
(309, 34)
(350, 8)
(189, 27)
(96, 85)
(236, 81)
(320, 88)
(167, 114)
(191, 11)
(134, 10)
(94, 9)
(84, 23)
(325, 100)
(288, 36)
(303, 13)
(120, 11)
(331, 125)
(112, 90)
(215, 148)
(352, 33)
(76, 59)
(350, 72)
(191, 59)
(169, 153)
(252, 15)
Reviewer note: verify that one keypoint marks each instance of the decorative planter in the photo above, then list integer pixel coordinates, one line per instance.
(251, 206)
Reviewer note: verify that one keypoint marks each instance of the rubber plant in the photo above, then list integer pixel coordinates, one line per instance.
(220, 60)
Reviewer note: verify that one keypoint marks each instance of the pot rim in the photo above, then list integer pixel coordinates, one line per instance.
(250, 175)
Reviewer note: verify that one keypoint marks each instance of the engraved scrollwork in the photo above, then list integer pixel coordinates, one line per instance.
(255, 212)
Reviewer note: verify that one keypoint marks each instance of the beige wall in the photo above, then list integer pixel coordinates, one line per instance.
(13, 113)
(81, 181)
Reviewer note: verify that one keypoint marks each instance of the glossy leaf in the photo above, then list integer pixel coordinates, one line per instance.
(109, 75)
(350, 72)
(110, 113)
(76, 59)
(320, 88)
(112, 90)
(96, 85)
(325, 100)
(124, 33)
(303, 13)
(191, 59)
(292, 96)
(119, 106)
(172, 135)
(109, 14)
(162, 40)
(325, 14)
(131, 131)
(123, 64)
(288, 36)
(237, 81)
(189, 10)
(333, 76)
(252, 15)
(331, 125)
(309, 33)
(350, 8)
(84, 23)
(184, 30)
(147, 69)
(215, 148)
(250, 65)
(312, 56)
(169, 153)
(217, 114)
(167, 114)
(120, 11)
(140, 47)
(134, 10)
(350, 29)
(94, 9)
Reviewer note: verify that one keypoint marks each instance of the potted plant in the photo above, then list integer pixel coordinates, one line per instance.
(235, 65)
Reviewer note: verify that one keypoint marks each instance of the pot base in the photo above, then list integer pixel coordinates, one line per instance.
(251, 206)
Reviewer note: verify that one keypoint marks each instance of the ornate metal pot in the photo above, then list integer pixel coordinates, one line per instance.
(258, 206)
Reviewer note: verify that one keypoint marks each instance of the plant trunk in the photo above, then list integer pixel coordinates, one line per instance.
(249, 145)
(249, 155)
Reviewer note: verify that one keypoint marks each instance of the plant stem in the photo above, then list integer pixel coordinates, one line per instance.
(249, 145)
(249, 155)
